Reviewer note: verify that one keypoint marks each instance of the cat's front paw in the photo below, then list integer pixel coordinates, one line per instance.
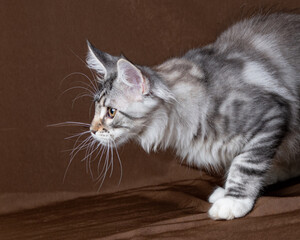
(229, 208)
(217, 194)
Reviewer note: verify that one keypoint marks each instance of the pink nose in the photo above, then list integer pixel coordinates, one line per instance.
(95, 126)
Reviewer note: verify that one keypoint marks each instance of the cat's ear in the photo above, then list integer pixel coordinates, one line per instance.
(132, 77)
(100, 61)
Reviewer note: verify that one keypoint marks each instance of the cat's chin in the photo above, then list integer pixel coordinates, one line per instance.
(109, 141)
(102, 140)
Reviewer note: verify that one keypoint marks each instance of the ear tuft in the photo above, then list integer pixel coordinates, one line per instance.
(93, 60)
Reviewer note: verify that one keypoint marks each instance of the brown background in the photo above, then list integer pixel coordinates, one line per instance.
(38, 41)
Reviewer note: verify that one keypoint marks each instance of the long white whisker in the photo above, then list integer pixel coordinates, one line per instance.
(100, 159)
(90, 108)
(81, 146)
(77, 87)
(92, 86)
(68, 123)
(112, 161)
(82, 142)
(93, 75)
(80, 96)
(120, 163)
(88, 159)
(78, 134)
(70, 162)
(105, 168)
(99, 150)
(91, 160)
(75, 73)
(108, 163)
(101, 147)
(74, 148)
(88, 152)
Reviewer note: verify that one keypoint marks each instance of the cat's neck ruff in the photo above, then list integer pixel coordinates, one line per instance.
(183, 124)
(177, 122)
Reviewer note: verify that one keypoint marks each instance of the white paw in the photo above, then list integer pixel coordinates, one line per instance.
(217, 194)
(230, 208)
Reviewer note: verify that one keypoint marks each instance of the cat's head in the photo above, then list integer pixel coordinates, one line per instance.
(127, 98)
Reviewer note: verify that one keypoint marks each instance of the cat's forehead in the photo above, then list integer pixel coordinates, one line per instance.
(109, 93)
(107, 84)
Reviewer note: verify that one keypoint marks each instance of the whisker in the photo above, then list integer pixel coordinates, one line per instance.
(120, 163)
(88, 152)
(80, 96)
(81, 146)
(89, 144)
(87, 158)
(74, 148)
(78, 134)
(89, 86)
(70, 162)
(77, 87)
(90, 108)
(82, 74)
(112, 161)
(105, 169)
(88, 149)
(108, 162)
(101, 147)
(77, 140)
(71, 74)
(68, 123)
(93, 75)
(90, 160)
(100, 159)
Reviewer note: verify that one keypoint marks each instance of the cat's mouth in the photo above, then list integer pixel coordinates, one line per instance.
(103, 138)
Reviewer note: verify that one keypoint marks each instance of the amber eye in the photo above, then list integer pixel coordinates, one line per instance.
(111, 112)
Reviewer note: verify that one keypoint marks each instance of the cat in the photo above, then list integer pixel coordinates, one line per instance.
(233, 104)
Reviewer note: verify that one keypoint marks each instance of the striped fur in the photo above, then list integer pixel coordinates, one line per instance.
(232, 105)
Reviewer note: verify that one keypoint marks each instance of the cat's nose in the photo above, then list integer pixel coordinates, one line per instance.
(93, 129)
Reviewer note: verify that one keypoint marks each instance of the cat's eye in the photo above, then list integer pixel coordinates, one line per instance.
(111, 112)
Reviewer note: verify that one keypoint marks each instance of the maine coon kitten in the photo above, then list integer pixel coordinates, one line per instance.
(233, 104)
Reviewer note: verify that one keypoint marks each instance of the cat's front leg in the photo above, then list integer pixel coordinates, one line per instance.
(228, 208)
(244, 181)
(218, 193)
(246, 177)
(249, 170)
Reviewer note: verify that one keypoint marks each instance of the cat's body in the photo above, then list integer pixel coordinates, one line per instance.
(234, 105)
(234, 83)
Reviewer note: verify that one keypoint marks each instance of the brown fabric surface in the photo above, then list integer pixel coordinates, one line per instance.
(176, 210)
(38, 38)
(41, 42)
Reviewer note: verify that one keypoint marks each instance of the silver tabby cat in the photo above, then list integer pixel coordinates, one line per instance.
(234, 104)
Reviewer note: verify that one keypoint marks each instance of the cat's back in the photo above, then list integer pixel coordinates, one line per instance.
(279, 29)
(273, 39)
(268, 48)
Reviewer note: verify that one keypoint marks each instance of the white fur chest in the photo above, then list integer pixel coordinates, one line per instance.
(215, 153)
